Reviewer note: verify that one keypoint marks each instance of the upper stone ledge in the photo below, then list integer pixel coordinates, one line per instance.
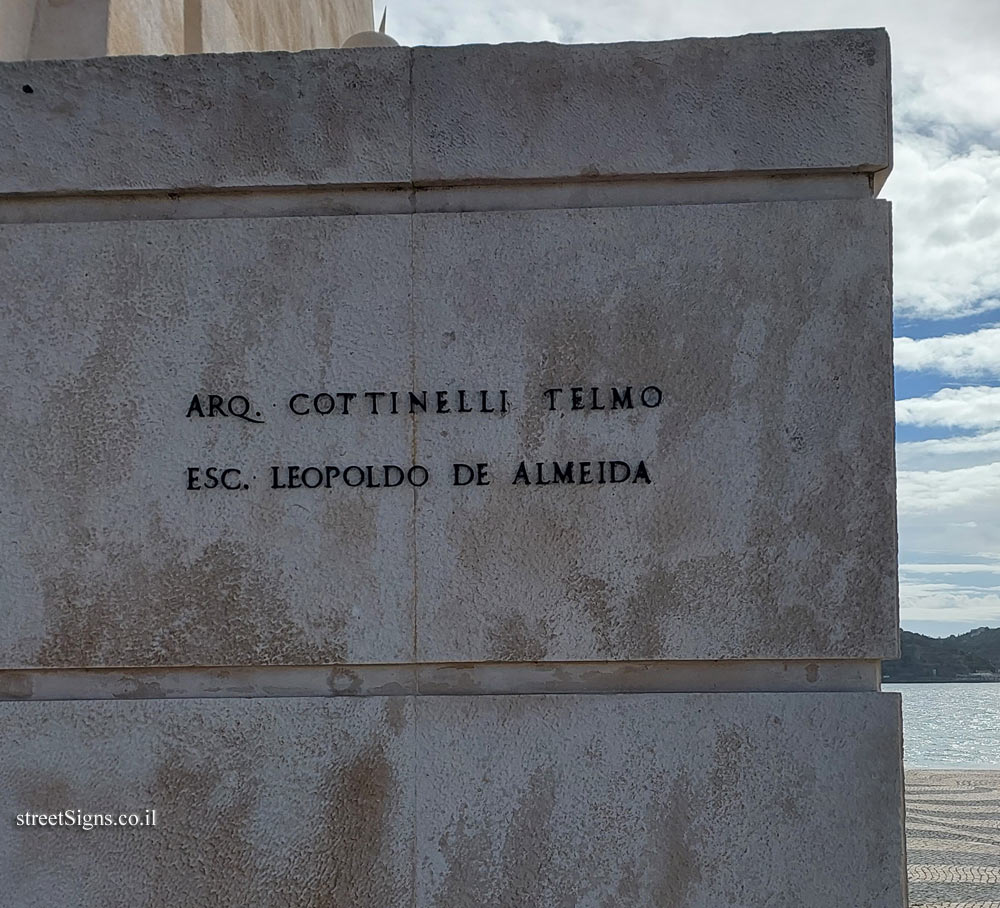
(769, 103)
(796, 101)
(225, 121)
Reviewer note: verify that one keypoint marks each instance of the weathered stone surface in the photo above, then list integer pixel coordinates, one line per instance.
(224, 121)
(765, 531)
(687, 800)
(108, 558)
(783, 102)
(693, 801)
(259, 802)
(768, 527)
(759, 103)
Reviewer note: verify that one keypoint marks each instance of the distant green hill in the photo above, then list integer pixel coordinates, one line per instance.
(945, 658)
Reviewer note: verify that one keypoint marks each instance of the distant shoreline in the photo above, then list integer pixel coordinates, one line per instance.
(965, 659)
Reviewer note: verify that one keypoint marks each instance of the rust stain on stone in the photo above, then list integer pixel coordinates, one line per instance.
(514, 639)
(347, 864)
(523, 872)
(219, 607)
(213, 839)
(205, 829)
(671, 850)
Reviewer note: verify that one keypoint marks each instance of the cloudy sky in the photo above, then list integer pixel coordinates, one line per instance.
(945, 190)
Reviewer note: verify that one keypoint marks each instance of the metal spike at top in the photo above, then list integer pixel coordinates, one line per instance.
(368, 39)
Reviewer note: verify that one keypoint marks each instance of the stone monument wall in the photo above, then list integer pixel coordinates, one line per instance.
(450, 476)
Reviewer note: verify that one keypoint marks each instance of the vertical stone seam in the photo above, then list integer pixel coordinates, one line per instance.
(193, 37)
(32, 30)
(414, 700)
(414, 839)
(413, 354)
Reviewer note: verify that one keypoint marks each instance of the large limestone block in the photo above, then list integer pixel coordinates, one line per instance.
(231, 121)
(680, 800)
(258, 802)
(785, 104)
(686, 800)
(748, 347)
(109, 557)
(767, 529)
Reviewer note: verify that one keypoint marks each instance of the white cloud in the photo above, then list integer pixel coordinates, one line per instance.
(976, 353)
(948, 602)
(949, 453)
(979, 567)
(975, 407)
(946, 227)
(962, 492)
(970, 567)
(949, 535)
(949, 516)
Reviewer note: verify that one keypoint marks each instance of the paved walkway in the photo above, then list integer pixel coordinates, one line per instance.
(953, 839)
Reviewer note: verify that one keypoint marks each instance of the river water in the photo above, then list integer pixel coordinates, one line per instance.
(950, 726)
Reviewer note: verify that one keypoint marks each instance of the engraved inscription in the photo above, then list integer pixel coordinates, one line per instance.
(586, 470)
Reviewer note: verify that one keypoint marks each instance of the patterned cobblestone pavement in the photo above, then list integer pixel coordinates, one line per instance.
(953, 839)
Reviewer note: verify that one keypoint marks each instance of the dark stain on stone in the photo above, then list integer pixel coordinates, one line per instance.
(528, 851)
(157, 607)
(215, 841)
(670, 604)
(38, 793)
(347, 865)
(136, 688)
(16, 685)
(592, 595)
(341, 680)
(205, 824)
(90, 422)
(524, 872)
(45, 795)
(514, 639)
(671, 852)
(466, 854)
(725, 777)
